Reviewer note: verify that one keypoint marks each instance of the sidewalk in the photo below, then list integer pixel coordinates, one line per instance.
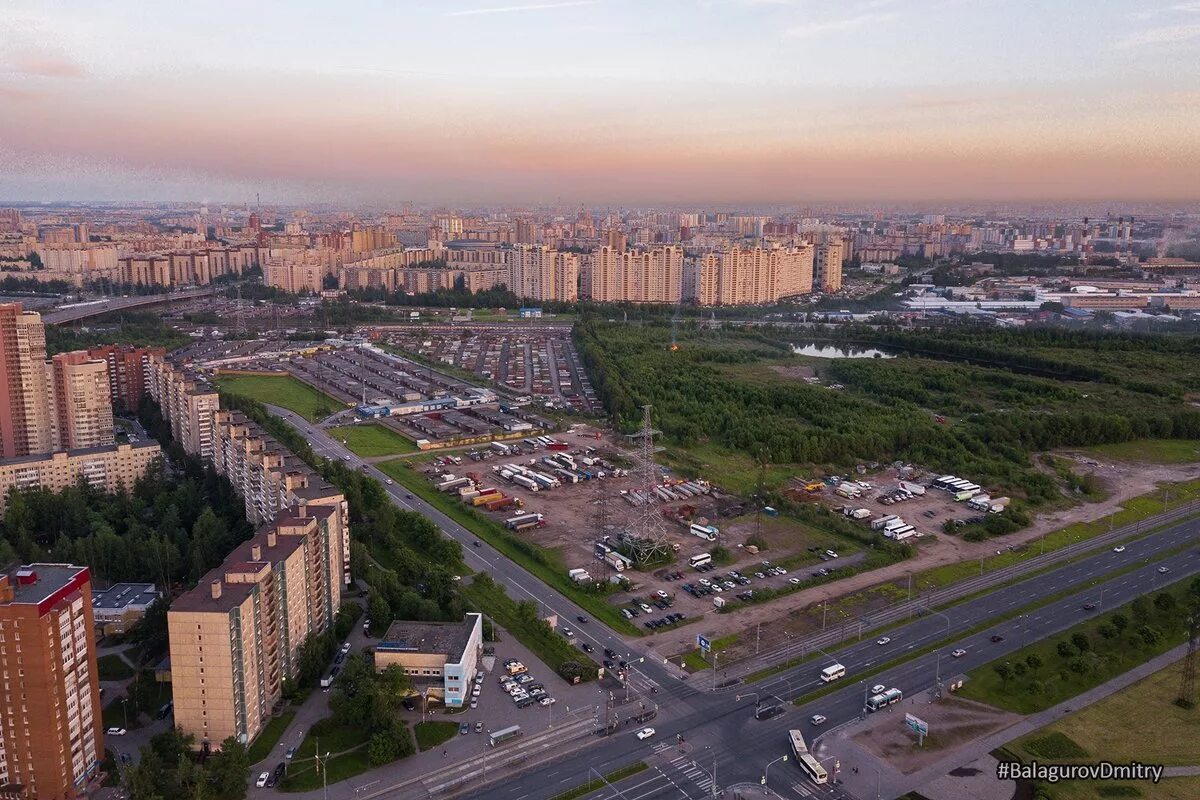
(894, 784)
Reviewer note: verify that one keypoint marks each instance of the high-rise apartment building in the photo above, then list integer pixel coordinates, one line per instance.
(109, 468)
(365, 238)
(528, 231)
(128, 371)
(651, 275)
(751, 276)
(187, 403)
(26, 422)
(83, 414)
(235, 638)
(828, 271)
(50, 725)
(538, 272)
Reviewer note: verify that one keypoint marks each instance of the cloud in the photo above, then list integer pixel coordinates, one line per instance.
(510, 9)
(40, 63)
(810, 29)
(1168, 34)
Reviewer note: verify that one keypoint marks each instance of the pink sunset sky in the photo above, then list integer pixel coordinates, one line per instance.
(600, 100)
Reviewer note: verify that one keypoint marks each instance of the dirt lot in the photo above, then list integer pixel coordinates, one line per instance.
(801, 611)
(953, 722)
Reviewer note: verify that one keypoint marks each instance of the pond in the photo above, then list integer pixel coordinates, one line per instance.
(826, 350)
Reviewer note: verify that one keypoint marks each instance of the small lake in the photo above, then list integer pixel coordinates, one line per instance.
(826, 350)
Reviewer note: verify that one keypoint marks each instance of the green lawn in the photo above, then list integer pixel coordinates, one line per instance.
(113, 668)
(349, 749)
(146, 696)
(1058, 679)
(544, 564)
(695, 660)
(433, 733)
(373, 440)
(269, 736)
(1156, 451)
(281, 390)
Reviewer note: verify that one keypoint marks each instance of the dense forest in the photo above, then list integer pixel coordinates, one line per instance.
(1010, 393)
(141, 328)
(171, 527)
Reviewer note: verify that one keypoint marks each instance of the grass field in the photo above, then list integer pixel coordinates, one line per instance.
(1155, 451)
(281, 390)
(350, 758)
(1170, 740)
(695, 661)
(1057, 678)
(113, 668)
(269, 737)
(433, 733)
(1090, 735)
(545, 564)
(370, 441)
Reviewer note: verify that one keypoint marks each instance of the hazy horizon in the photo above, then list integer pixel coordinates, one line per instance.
(606, 102)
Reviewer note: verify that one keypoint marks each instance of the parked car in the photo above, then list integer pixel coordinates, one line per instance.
(116, 731)
(261, 783)
(463, 729)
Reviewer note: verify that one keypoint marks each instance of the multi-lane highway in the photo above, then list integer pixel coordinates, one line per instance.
(718, 730)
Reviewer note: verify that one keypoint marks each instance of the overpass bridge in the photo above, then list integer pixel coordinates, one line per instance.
(92, 308)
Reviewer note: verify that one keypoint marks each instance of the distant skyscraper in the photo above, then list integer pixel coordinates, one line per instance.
(538, 272)
(828, 266)
(50, 724)
(527, 231)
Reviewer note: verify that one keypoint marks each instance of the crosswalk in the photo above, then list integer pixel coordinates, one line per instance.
(693, 772)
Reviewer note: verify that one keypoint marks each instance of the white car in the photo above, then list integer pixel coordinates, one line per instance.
(115, 731)
(547, 701)
(1163, 570)
(390, 481)
(645, 733)
(794, 581)
(884, 640)
(262, 779)
(878, 688)
(959, 653)
(817, 719)
(1119, 548)
(645, 608)
(831, 554)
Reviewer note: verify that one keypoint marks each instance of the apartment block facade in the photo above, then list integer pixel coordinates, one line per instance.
(539, 272)
(83, 412)
(50, 725)
(235, 638)
(829, 258)
(187, 403)
(752, 276)
(26, 421)
(651, 275)
(128, 371)
(108, 468)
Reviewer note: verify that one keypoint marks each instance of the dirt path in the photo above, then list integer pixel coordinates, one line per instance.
(1123, 480)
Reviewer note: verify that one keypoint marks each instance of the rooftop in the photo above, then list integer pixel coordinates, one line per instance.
(123, 595)
(431, 638)
(34, 583)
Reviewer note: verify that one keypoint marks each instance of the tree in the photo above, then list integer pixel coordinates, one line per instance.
(1019, 669)
(1036, 687)
(1065, 650)
(1004, 671)
(379, 611)
(1120, 622)
(1081, 642)
(228, 769)
(1139, 608)
(1165, 603)
(1151, 636)
(1034, 661)
(1107, 631)
(571, 671)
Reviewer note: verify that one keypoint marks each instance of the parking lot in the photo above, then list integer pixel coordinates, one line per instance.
(534, 360)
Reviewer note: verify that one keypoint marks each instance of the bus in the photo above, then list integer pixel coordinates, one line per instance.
(808, 763)
(701, 560)
(832, 673)
(499, 737)
(888, 698)
(707, 532)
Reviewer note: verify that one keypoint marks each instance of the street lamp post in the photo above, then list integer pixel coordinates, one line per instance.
(767, 768)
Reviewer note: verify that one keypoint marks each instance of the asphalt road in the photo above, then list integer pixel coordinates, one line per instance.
(725, 725)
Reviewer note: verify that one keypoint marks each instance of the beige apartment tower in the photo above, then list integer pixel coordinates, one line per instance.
(830, 256)
(26, 421)
(653, 275)
(539, 272)
(83, 413)
(235, 638)
(753, 276)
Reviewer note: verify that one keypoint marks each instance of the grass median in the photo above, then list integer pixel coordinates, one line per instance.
(544, 564)
(594, 784)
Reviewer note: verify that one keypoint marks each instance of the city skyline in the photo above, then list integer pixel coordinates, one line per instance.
(606, 101)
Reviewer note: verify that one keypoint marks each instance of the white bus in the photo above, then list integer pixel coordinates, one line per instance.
(707, 532)
(808, 763)
(701, 560)
(832, 673)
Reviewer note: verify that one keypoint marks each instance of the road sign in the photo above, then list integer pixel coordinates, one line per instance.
(702, 642)
(917, 725)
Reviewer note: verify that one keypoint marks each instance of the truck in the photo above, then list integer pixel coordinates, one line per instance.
(847, 490)
(579, 575)
(502, 503)
(964, 494)
(857, 513)
(528, 483)
(485, 495)
(901, 533)
(452, 485)
(522, 521)
(719, 602)
(980, 502)
(881, 523)
(706, 532)
(912, 488)
(615, 560)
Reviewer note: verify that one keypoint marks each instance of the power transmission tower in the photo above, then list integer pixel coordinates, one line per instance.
(650, 540)
(1187, 684)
